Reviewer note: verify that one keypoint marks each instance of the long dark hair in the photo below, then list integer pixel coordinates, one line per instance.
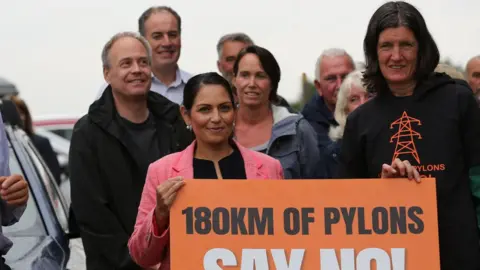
(392, 15)
(23, 108)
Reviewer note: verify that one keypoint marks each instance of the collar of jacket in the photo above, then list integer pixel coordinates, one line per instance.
(103, 111)
(316, 110)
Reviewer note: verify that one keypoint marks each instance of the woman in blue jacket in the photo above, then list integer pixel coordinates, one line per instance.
(264, 126)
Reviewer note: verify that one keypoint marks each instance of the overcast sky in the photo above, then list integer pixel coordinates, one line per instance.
(51, 48)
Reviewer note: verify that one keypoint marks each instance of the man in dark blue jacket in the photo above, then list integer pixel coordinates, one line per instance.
(332, 66)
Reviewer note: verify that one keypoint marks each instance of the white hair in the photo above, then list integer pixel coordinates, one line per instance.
(354, 79)
(108, 46)
(332, 52)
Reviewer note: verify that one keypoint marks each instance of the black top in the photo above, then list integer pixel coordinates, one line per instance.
(437, 130)
(231, 167)
(144, 137)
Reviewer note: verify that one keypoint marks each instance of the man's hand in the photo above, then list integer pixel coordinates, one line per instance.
(14, 190)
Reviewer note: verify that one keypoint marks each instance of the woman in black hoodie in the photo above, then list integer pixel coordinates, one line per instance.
(427, 119)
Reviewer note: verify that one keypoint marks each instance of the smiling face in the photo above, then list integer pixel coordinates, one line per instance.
(397, 51)
(162, 32)
(211, 116)
(129, 70)
(252, 82)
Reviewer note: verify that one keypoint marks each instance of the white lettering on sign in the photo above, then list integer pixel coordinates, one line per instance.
(329, 260)
(253, 259)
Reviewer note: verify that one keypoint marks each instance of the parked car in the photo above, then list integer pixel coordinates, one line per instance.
(59, 125)
(41, 238)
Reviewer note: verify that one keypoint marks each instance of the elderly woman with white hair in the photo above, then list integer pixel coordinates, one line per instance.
(351, 94)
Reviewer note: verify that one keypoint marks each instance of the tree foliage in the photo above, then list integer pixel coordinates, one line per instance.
(308, 90)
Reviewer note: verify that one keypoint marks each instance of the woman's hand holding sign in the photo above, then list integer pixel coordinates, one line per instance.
(166, 193)
(400, 169)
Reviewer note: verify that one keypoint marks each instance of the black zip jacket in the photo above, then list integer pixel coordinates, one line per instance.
(108, 174)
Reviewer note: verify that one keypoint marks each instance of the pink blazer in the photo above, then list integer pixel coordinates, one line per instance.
(150, 250)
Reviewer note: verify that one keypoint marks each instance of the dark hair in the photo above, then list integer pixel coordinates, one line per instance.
(195, 83)
(393, 15)
(23, 108)
(269, 64)
(147, 13)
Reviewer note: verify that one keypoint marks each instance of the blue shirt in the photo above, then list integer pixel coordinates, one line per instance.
(8, 214)
(174, 91)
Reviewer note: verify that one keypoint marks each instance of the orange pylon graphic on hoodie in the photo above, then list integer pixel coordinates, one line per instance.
(405, 143)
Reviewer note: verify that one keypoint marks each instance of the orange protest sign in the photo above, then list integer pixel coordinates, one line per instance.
(305, 224)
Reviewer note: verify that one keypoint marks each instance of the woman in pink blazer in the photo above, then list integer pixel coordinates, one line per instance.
(209, 109)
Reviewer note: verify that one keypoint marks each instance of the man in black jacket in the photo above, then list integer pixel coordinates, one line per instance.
(112, 146)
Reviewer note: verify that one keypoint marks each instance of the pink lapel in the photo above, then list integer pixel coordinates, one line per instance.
(252, 164)
(184, 164)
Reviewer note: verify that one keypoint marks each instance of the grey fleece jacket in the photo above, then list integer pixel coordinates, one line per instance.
(294, 144)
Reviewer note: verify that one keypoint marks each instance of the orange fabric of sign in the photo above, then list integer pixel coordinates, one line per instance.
(305, 224)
